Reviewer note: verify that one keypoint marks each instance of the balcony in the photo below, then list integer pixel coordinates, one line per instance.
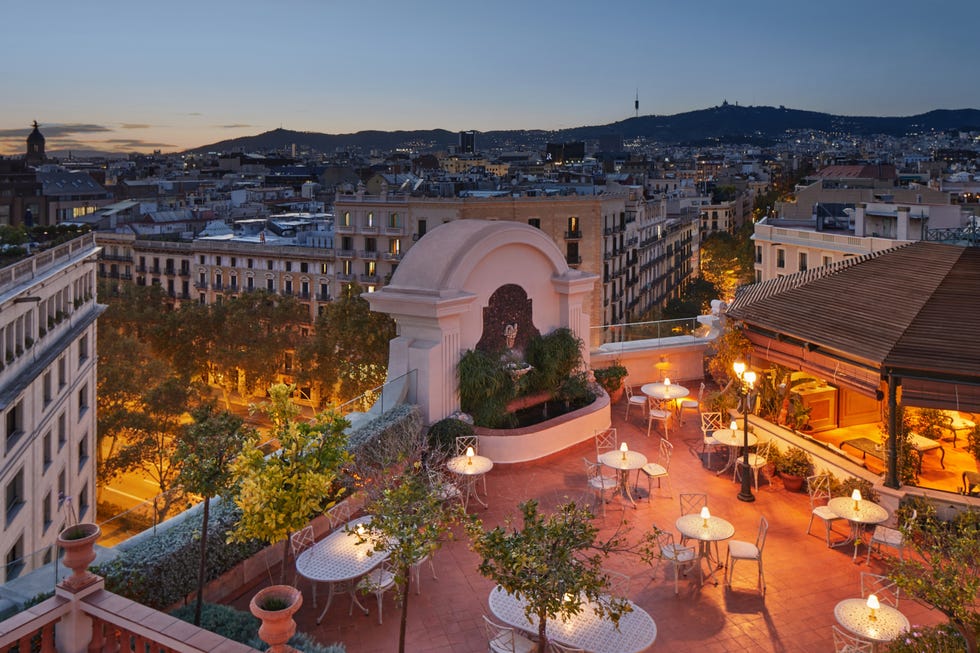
(369, 254)
(201, 285)
(573, 235)
(368, 230)
(324, 296)
(345, 277)
(573, 259)
(343, 229)
(389, 256)
(370, 278)
(394, 231)
(346, 253)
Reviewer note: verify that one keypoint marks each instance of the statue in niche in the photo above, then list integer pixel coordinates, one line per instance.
(510, 335)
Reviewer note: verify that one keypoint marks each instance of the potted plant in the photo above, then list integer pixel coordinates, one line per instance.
(799, 414)
(611, 380)
(78, 542)
(275, 606)
(793, 465)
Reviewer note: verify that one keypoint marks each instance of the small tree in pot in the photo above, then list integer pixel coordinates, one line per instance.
(793, 465)
(611, 380)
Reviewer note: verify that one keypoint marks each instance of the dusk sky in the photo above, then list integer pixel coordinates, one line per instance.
(137, 76)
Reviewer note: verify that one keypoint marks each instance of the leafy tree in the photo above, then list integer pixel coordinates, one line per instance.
(554, 562)
(279, 493)
(723, 263)
(187, 337)
(696, 300)
(348, 353)
(943, 569)
(207, 448)
(729, 347)
(409, 518)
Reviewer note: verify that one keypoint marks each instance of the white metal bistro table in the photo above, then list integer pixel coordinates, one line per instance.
(887, 624)
(339, 559)
(624, 462)
(734, 440)
(665, 393)
(586, 630)
(470, 468)
(863, 514)
(706, 532)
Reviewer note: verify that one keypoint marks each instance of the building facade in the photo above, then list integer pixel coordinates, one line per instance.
(48, 381)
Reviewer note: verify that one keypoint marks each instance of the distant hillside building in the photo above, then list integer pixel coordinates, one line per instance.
(467, 142)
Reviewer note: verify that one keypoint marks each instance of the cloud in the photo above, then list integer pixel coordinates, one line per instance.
(194, 113)
(55, 130)
(134, 125)
(234, 126)
(135, 143)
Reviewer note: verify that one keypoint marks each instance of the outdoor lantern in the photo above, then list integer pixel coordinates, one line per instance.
(873, 605)
(624, 449)
(749, 378)
(469, 455)
(733, 426)
(856, 495)
(705, 516)
(666, 386)
(360, 530)
(739, 368)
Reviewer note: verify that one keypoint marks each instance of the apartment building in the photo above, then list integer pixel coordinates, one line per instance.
(48, 380)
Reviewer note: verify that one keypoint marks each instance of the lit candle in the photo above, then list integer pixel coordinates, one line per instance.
(624, 449)
(666, 386)
(469, 455)
(873, 605)
(733, 426)
(705, 516)
(360, 530)
(856, 495)
(566, 597)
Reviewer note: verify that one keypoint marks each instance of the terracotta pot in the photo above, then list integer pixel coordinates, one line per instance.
(277, 625)
(792, 483)
(78, 543)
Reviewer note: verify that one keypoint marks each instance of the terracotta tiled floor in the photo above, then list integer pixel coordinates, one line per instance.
(804, 578)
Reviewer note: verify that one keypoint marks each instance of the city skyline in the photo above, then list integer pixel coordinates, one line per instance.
(115, 76)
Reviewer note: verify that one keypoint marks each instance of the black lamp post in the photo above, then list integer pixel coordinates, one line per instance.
(746, 380)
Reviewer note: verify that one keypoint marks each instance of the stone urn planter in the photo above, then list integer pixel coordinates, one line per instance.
(275, 606)
(78, 543)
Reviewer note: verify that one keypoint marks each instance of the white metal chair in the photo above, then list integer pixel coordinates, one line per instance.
(739, 550)
(605, 440)
(377, 581)
(692, 502)
(819, 488)
(562, 648)
(757, 461)
(710, 422)
(639, 401)
(463, 444)
(619, 584)
(675, 555)
(655, 414)
(845, 642)
(300, 541)
(504, 639)
(339, 515)
(599, 482)
(888, 536)
(883, 587)
(416, 570)
(690, 404)
(444, 488)
(659, 470)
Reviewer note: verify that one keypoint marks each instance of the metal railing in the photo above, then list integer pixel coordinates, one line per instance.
(616, 333)
(385, 397)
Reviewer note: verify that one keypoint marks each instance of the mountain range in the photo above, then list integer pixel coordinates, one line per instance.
(726, 123)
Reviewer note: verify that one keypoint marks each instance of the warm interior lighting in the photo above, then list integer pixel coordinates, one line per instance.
(624, 449)
(856, 495)
(705, 516)
(469, 455)
(873, 605)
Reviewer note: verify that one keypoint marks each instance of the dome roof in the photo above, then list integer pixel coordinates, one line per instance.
(35, 136)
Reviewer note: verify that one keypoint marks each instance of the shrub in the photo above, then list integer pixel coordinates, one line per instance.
(610, 378)
(485, 387)
(388, 435)
(442, 435)
(794, 462)
(162, 570)
(848, 485)
(554, 357)
(243, 627)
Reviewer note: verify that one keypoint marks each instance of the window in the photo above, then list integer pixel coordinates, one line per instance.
(82, 452)
(268, 264)
(15, 559)
(289, 266)
(780, 258)
(422, 227)
(395, 246)
(346, 221)
(234, 262)
(573, 225)
(324, 291)
(346, 243)
(217, 260)
(324, 268)
(248, 263)
(82, 400)
(62, 431)
(62, 487)
(83, 501)
(758, 253)
(250, 283)
(83, 349)
(304, 267)
(393, 220)
(370, 218)
(15, 423)
(827, 260)
(289, 287)
(802, 261)
(370, 268)
(14, 495)
(48, 452)
(270, 285)
(535, 222)
(371, 244)
(347, 267)
(200, 259)
(47, 511)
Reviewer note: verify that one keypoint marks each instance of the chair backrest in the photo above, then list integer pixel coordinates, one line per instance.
(845, 642)
(710, 422)
(339, 515)
(499, 636)
(881, 586)
(592, 468)
(818, 486)
(605, 440)
(762, 449)
(301, 540)
(619, 584)
(760, 540)
(465, 441)
(628, 387)
(666, 451)
(701, 393)
(668, 550)
(692, 502)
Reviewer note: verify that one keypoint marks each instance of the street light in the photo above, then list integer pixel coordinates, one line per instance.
(746, 380)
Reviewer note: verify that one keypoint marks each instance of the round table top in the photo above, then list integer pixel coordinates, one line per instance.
(661, 391)
(614, 459)
(339, 556)
(462, 465)
(586, 630)
(693, 526)
(732, 438)
(868, 512)
(855, 616)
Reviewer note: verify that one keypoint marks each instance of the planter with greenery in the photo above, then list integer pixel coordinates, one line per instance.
(794, 465)
(275, 606)
(611, 380)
